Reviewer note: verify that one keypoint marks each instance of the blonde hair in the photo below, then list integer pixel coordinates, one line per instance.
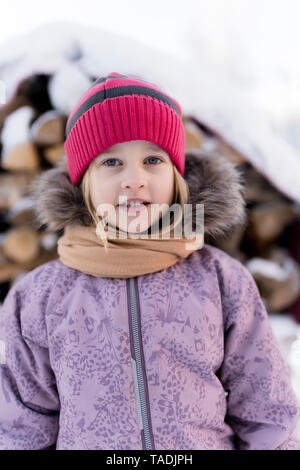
(181, 196)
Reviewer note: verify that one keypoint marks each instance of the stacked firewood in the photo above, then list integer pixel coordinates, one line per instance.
(268, 245)
(23, 246)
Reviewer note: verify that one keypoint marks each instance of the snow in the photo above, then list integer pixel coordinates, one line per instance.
(271, 269)
(226, 105)
(284, 327)
(68, 83)
(23, 204)
(49, 241)
(16, 128)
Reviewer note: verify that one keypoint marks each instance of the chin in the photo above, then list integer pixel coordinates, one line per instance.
(134, 228)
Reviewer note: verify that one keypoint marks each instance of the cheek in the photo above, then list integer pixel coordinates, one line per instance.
(166, 187)
(98, 191)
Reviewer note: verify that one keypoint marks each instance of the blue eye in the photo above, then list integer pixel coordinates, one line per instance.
(115, 160)
(110, 160)
(154, 158)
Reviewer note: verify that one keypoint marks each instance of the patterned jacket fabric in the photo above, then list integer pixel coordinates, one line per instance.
(215, 378)
(183, 358)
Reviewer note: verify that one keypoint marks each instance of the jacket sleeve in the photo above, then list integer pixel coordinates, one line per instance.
(29, 404)
(262, 408)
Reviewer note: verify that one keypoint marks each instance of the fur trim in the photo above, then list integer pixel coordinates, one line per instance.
(57, 201)
(218, 184)
(211, 178)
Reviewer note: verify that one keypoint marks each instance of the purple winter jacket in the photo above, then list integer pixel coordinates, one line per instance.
(183, 358)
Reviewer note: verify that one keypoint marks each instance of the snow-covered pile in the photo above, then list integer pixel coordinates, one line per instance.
(73, 53)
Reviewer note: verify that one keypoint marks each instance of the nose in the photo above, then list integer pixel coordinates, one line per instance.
(133, 179)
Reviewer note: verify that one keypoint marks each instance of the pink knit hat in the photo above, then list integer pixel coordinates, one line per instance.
(118, 109)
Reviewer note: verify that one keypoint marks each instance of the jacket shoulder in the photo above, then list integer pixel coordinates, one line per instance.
(236, 284)
(226, 267)
(42, 279)
(39, 281)
(29, 299)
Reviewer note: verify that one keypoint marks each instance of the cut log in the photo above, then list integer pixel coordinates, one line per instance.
(11, 270)
(22, 212)
(267, 220)
(229, 152)
(257, 187)
(48, 129)
(13, 186)
(23, 157)
(194, 136)
(277, 278)
(54, 153)
(21, 245)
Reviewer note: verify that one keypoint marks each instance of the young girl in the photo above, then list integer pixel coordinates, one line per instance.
(131, 342)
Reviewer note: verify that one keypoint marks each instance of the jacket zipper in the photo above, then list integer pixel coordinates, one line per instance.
(138, 365)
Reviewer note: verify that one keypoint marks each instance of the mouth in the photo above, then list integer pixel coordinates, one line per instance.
(133, 209)
(145, 203)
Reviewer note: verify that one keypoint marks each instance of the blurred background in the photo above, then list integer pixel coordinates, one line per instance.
(233, 66)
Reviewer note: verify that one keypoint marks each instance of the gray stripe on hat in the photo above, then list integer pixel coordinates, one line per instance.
(102, 95)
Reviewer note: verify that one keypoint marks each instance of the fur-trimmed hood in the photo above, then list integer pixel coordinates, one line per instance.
(211, 178)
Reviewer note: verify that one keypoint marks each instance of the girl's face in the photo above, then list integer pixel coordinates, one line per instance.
(134, 169)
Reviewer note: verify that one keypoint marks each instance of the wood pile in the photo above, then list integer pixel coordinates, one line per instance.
(22, 246)
(268, 245)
